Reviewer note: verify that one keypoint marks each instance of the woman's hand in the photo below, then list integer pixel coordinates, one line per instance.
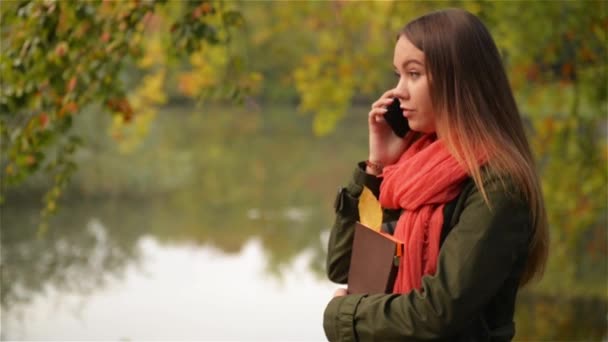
(340, 292)
(385, 147)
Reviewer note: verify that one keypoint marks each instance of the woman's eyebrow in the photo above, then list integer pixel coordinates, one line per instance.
(409, 61)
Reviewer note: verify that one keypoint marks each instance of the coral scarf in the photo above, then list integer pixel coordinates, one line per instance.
(425, 178)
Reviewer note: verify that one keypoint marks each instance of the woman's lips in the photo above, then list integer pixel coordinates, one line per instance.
(407, 112)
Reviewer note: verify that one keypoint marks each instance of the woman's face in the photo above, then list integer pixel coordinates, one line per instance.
(413, 87)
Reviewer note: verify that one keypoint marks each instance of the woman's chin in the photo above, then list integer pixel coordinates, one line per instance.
(425, 129)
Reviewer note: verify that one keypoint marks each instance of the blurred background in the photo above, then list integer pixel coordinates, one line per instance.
(169, 167)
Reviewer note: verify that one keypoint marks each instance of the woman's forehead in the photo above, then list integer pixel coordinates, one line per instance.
(406, 52)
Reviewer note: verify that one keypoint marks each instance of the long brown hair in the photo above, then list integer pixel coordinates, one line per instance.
(476, 113)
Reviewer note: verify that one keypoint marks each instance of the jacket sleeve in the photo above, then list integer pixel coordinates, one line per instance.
(347, 214)
(476, 258)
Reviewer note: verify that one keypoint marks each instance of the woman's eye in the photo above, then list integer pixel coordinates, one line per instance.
(398, 75)
(414, 74)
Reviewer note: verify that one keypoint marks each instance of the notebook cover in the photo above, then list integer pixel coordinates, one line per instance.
(372, 264)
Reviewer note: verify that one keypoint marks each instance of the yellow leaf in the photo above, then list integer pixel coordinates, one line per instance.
(370, 212)
(187, 84)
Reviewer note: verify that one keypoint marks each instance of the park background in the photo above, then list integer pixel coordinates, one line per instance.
(168, 168)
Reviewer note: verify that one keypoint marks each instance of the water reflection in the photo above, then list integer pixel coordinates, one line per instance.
(100, 255)
(78, 257)
(192, 293)
(194, 188)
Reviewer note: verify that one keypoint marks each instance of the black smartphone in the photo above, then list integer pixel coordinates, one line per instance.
(395, 119)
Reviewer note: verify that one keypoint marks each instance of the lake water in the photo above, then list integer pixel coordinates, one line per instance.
(214, 228)
(183, 293)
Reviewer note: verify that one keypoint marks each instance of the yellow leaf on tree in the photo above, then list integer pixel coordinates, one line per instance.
(370, 212)
(187, 84)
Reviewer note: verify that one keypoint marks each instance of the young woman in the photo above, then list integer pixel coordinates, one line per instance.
(466, 159)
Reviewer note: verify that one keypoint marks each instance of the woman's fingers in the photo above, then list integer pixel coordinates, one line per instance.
(382, 102)
(388, 94)
(379, 107)
(377, 114)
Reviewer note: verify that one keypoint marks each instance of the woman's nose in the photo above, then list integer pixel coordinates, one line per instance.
(401, 90)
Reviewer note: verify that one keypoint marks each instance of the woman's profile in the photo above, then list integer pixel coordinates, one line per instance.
(460, 190)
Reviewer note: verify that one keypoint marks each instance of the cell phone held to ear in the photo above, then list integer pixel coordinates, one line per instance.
(395, 119)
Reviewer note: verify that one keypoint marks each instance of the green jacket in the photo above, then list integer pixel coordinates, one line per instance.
(472, 295)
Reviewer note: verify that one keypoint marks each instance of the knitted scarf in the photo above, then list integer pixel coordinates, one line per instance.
(425, 178)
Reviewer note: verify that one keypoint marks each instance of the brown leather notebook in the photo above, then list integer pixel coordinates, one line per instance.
(374, 261)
